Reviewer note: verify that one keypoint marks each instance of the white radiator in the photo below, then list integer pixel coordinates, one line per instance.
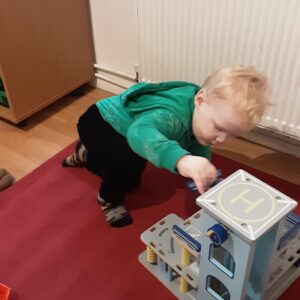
(188, 39)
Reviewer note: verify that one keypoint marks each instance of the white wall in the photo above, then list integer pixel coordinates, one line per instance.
(115, 34)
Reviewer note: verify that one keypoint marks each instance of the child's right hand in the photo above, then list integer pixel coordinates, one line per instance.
(199, 169)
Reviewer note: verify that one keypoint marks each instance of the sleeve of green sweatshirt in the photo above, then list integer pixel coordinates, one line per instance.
(196, 149)
(152, 137)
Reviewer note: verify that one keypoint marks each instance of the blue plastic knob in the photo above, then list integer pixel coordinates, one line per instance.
(219, 235)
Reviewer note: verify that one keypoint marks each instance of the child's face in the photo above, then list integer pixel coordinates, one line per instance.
(214, 120)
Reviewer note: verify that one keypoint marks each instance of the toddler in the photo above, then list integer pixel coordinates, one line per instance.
(170, 124)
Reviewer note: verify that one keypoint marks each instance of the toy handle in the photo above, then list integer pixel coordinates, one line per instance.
(218, 234)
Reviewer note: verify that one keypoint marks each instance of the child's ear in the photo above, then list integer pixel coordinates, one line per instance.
(199, 98)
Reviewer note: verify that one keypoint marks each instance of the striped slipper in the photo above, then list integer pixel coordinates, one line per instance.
(115, 214)
(76, 159)
(6, 179)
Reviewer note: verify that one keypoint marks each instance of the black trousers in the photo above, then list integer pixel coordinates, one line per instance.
(109, 156)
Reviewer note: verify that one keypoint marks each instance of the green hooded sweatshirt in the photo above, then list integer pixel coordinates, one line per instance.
(156, 119)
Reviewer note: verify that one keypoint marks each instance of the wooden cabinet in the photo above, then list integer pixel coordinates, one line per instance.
(45, 52)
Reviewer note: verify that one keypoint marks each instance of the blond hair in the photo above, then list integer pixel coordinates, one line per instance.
(243, 86)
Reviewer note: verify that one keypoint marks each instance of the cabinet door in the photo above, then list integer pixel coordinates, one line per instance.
(46, 51)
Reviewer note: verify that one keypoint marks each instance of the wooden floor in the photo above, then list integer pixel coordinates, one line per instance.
(24, 148)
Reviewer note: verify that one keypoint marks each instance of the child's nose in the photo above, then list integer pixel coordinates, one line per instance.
(222, 137)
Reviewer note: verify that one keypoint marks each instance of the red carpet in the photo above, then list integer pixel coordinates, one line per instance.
(56, 245)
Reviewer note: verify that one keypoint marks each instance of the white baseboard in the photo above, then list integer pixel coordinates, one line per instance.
(111, 83)
(274, 141)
